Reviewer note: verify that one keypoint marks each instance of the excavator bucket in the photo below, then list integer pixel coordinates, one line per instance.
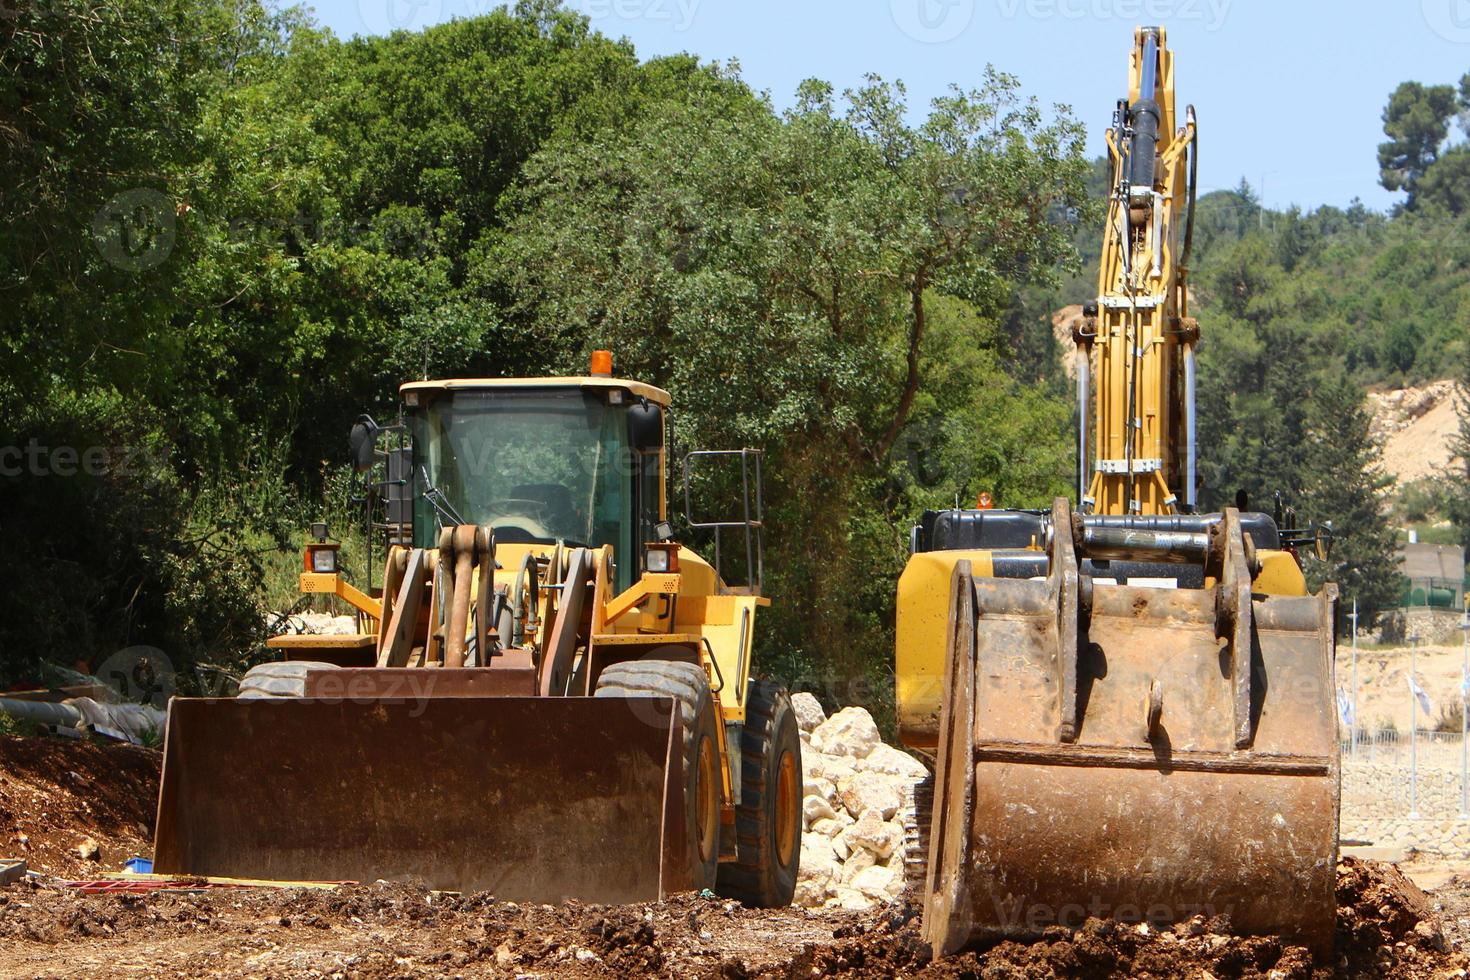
(529, 798)
(1139, 754)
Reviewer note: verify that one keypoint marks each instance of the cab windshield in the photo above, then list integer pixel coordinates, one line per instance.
(536, 465)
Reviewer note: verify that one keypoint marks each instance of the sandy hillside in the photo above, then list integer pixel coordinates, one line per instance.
(1417, 426)
(1383, 688)
(1062, 323)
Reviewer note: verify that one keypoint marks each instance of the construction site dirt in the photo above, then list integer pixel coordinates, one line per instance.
(59, 795)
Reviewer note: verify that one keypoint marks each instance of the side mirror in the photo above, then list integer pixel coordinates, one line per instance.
(646, 427)
(1322, 545)
(363, 443)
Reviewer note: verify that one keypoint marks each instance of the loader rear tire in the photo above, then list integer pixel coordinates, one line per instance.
(688, 685)
(768, 820)
(279, 679)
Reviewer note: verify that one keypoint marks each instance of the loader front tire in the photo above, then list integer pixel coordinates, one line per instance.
(688, 685)
(768, 819)
(278, 679)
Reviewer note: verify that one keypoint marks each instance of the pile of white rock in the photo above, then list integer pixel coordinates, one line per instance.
(852, 853)
(313, 623)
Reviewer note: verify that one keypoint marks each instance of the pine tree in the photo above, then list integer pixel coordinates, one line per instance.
(1459, 469)
(1344, 483)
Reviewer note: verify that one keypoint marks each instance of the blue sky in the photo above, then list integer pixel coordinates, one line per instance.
(1288, 93)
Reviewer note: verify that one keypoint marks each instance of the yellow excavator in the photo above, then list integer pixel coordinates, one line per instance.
(549, 697)
(1129, 703)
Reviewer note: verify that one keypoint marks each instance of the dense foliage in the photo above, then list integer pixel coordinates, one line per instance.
(229, 232)
(225, 274)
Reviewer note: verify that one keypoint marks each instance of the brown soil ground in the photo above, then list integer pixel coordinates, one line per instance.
(1386, 925)
(57, 793)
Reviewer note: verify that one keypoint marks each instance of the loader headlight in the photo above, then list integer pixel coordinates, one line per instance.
(661, 558)
(323, 561)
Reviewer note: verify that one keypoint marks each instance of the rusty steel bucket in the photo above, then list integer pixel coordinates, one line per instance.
(529, 798)
(1134, 754)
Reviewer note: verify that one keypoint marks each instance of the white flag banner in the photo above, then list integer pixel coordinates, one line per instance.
(1424, 703)
(1464, 684)
(1345, 709)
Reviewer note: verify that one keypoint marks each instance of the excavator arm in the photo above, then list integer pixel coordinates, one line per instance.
(1138, 340)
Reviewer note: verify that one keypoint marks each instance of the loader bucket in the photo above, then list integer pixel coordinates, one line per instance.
(531, 799)
(1133, 754)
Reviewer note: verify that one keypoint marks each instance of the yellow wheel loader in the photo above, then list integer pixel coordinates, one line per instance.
(1130, 704)
(550, 698)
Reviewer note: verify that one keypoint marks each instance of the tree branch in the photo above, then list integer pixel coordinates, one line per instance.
(911, 382)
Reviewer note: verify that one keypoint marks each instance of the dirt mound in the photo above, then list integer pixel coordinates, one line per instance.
(1099, 949)
(1386, 923)
(384, 930)
(1386, 927)
(55, 794)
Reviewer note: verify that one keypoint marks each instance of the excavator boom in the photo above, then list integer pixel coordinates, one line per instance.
(1138, 338)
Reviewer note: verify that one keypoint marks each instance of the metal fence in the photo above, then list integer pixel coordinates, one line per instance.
(1412, 759)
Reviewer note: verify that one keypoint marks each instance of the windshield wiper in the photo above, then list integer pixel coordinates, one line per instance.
(448, 516)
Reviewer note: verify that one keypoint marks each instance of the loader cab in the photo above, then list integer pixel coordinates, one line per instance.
(572, 460)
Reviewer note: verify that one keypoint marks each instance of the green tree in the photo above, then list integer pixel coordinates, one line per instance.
(1446, 184)
(1416, 122)
(1458, 475)
(780, 275)
(238, 232)
(1344, 482)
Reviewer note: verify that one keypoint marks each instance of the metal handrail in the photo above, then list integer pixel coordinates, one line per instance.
(753, 521)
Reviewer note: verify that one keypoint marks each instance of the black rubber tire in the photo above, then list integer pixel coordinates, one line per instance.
(278, 679)
(764, 874)
(688, 685)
